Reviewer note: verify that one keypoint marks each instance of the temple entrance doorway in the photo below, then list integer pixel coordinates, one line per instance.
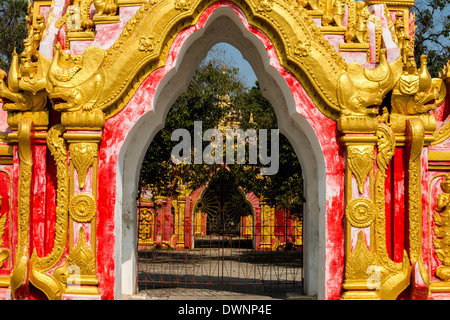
(278, 87)
(220, 228)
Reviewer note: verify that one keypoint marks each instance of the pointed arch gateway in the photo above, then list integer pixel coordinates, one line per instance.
(225, 21)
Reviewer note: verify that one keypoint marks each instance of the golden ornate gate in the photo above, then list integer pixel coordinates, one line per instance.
(376, 125)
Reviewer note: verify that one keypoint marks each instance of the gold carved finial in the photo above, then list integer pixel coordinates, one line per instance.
(23, 89)
(359, 32)
(77, 20)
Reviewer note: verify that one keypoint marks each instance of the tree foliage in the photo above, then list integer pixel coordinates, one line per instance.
(13, 29)
(213, 94)
(284, 189)
(432, 33)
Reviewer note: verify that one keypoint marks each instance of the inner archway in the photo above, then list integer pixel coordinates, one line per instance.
(225, 24)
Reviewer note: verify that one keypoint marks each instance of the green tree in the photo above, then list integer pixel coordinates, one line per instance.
(211, 94)
(432, 33)
(13, 29)
(285, 188)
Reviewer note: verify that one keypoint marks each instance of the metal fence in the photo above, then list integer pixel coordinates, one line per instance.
(216, 261)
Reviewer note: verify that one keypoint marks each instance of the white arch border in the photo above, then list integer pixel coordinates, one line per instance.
(223, 25)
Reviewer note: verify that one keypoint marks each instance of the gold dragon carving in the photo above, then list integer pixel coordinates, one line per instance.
(22, 90)
(361, 91)
(20, 273)
(80, 83)
(106, 80)
(139, 63)
(76, 79)
(395, 277)
(415, 90)
(76, 82)
(51, 285)
(416, 93)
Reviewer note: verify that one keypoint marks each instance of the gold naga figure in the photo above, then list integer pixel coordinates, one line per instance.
(23, 89)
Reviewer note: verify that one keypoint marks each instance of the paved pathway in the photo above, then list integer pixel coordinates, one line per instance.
(219, 274)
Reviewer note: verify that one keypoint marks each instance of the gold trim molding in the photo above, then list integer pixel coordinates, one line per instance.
(20, 272)
(50, 284)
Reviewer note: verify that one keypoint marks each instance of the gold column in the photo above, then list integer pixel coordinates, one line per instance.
(160, 202)
(267, 225)
(369, 272)
(359, 140)
(81, 260)
(298, 232)
(19, 275)
(76, 207)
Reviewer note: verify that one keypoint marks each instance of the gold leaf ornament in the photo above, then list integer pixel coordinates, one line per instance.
(360, 212)
(360, 160)
(146, 43)
(302, 49)
(4, 253)
(82, 155)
